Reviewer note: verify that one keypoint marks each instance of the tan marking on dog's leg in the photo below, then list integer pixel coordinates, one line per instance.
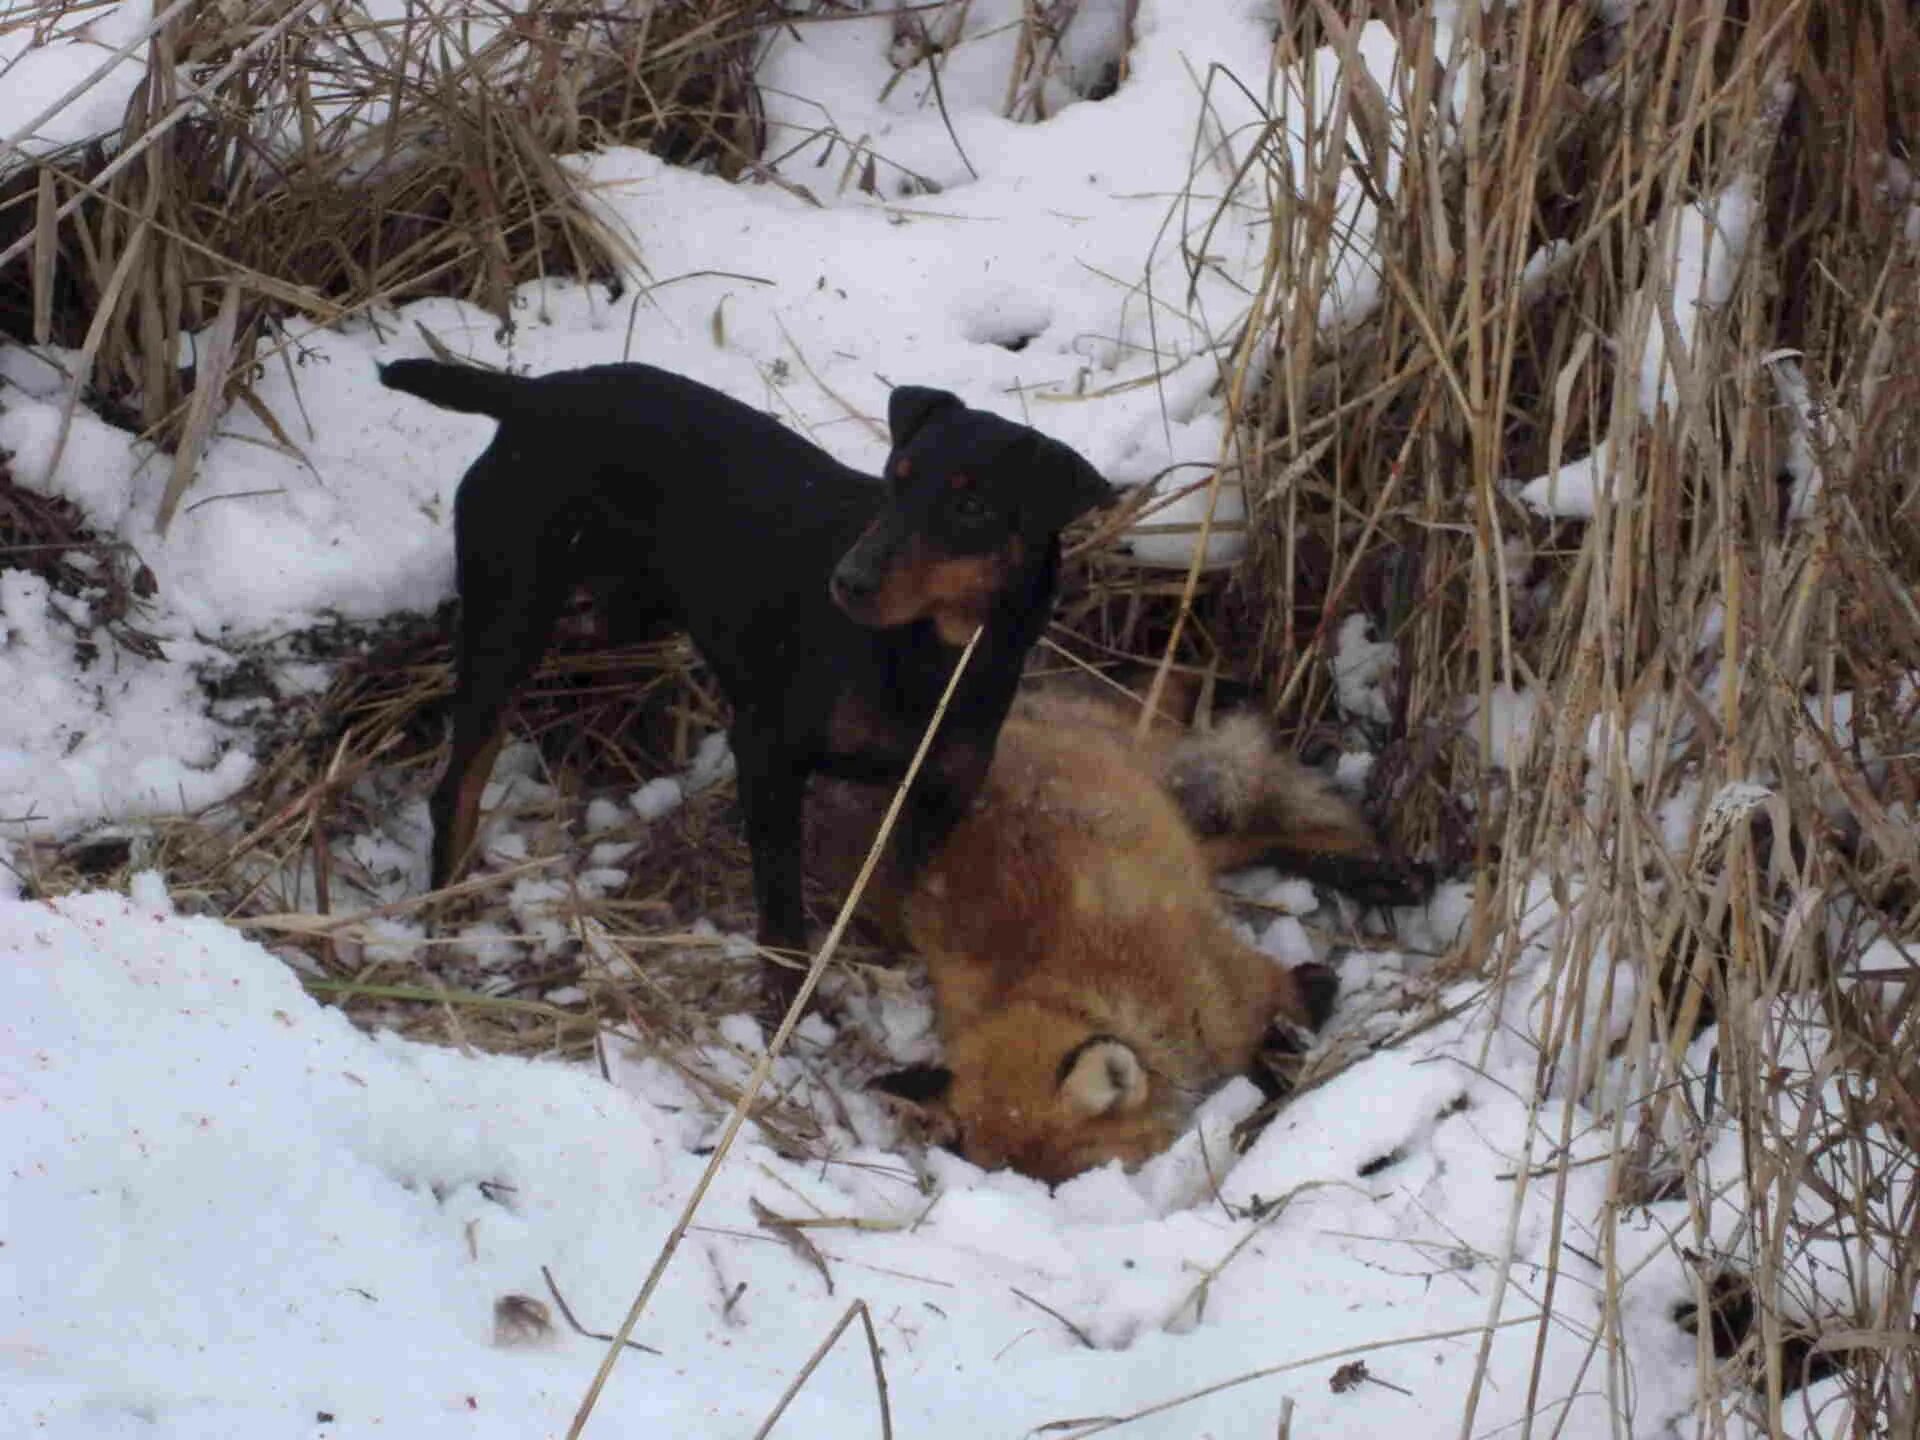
(465, 826)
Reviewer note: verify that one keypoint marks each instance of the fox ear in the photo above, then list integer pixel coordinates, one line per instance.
(1068, 487)
(911, 406)
(1103, 1076)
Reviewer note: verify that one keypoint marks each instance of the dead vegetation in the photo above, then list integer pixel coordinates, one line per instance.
(1720, 660)
(1720, 663)
(341, 163)
(102, 581)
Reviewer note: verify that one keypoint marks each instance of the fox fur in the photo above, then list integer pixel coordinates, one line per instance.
(1245, 799)
(1088, 988)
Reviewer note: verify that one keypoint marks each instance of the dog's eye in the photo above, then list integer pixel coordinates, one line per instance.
(969, 506)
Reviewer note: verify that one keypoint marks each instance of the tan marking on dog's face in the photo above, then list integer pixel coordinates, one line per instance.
(956, 627)
(959, 591)
(956, 592)
(897, 601)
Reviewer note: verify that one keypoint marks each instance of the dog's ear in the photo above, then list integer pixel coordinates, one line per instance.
(911, 406)
(1066, 486)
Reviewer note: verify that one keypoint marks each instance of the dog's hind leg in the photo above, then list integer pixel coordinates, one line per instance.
(455, 806)
(510, 593)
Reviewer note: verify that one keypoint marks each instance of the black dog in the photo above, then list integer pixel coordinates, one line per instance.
(831, 606)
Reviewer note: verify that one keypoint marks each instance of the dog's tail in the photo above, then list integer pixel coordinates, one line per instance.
(465, 388)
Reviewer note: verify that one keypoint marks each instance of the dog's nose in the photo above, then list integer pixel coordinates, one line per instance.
(854, 587)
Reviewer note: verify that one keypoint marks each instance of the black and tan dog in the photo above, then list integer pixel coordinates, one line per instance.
(830, 605)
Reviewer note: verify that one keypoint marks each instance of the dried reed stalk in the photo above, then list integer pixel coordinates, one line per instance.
(1695, 636)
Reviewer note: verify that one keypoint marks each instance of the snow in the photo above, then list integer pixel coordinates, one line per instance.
(39, 70)
(287, 1219)
(1510, 721)
(1678, 814)
(656, 798)
(1636, 745)
(1572, 491)
(1709, 238)
(1364, 670)
(1808, 431)
(1701, 257)
(80, 738)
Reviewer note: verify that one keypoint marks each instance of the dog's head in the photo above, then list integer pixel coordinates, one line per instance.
(972, 500)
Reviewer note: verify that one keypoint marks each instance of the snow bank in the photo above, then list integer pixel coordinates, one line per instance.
(230, 1212)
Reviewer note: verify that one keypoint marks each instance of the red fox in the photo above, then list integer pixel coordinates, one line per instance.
(1088, 989)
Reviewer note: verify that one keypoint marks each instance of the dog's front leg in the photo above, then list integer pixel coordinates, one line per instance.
(942, 794)
(772, 791)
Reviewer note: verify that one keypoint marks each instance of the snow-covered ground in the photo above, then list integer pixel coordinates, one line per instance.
(229, 1212)
(224, 1211)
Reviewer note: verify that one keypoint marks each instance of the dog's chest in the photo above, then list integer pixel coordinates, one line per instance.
(858, 725)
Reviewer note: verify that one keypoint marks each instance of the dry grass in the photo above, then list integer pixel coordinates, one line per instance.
(50, 537)
(281, 160)
(1700, 636)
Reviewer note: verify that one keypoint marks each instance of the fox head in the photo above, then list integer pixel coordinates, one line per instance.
(1042, 1093)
